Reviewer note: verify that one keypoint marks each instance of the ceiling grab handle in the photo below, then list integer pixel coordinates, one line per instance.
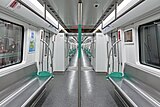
(110, 54)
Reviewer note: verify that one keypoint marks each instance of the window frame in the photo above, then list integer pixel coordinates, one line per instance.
(22, 42)
(139, 42)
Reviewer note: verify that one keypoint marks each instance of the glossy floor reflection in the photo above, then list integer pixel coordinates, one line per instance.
(64, 88)
(94, 87)
(62, 91)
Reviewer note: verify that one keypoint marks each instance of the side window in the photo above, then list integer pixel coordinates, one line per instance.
(11, 37)
(149, 40)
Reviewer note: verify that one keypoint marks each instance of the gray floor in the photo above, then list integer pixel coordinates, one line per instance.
(62, 91)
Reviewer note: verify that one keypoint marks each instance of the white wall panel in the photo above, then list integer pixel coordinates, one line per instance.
(59, 53)
(100, 60)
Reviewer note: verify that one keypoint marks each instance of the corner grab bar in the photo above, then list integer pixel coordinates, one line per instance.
(110, 54)
(49, 51)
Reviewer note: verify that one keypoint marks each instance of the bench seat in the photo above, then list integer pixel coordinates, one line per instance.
(24, 91)
(133, 91)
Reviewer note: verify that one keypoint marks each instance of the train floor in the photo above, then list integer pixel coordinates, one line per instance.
(96, 91)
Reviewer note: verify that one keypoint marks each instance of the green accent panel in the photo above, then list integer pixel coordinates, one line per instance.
(45, 74)
(79, 40)
(115, 75)
(89, 54)
(71, 52)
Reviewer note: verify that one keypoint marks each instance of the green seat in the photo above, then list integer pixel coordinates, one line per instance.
(115, 75)
(45, 74)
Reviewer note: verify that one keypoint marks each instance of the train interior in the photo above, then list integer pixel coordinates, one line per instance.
(79, 53)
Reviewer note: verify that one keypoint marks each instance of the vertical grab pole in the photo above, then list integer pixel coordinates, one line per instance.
(79, 63)
(79, 40)
(118, 51)
(44, 34)
(79, 50)
(43, 47)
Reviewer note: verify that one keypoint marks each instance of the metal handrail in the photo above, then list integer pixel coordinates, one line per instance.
(50, 53)
(110, 53)
(89, 53)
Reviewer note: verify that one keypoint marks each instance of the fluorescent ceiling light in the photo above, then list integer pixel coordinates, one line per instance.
(61, 28)
(41, 8)
(51, 18)
(119, 8)
(109, 17)
(98, 28)
(123, 4)
(38, 5)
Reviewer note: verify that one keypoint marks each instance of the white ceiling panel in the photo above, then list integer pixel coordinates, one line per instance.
(67, 11)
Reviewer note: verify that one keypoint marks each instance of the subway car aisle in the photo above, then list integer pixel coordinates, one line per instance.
(79, 53)
(94, 87)
(64, 88)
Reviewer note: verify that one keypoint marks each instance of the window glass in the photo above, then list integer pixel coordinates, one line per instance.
(10, 43)
(150, 44)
